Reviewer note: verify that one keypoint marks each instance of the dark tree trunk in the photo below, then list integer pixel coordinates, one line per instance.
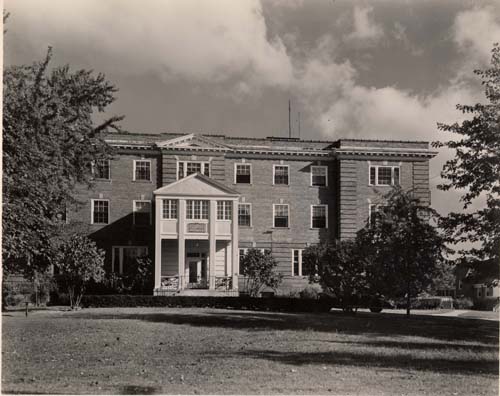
(408, 299)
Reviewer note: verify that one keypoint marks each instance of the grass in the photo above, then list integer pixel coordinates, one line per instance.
(190, 351)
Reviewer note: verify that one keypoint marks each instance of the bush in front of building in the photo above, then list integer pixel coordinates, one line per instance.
(462, 303)
(309, 293)
(259, 271)
(79, 262)
(273, 304)
(339, 270)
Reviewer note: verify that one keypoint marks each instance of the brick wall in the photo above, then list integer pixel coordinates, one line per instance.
(348, 196)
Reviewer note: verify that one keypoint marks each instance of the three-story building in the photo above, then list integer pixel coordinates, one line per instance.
(196, 203)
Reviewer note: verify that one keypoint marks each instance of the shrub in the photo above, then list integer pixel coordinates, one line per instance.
(79, 262)
(309, 293)
(463, 303)
(281, 304)
(485, 305)
(259, 271)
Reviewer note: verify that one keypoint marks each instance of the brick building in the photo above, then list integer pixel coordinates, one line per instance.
(195, 203)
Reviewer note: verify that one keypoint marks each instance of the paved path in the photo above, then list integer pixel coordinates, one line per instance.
(457, 313)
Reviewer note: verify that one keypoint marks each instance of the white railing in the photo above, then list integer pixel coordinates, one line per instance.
(170, 282)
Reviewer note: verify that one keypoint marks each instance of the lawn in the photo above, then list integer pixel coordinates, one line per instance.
(193, 351)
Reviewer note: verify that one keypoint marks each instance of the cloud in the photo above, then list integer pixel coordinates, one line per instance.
(194, 40)
(365, 29)
(399, 33)
(475, 31)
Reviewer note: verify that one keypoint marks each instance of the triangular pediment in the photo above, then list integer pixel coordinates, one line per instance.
(194, 142)
(197, 185)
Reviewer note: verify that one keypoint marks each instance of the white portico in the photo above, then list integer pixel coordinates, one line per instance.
(196, 236)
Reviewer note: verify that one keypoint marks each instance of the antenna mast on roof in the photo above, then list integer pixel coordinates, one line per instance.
(299, 124)
(289, 120)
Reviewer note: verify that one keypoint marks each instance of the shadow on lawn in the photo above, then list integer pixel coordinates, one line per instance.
(139, 390)
(374, 360)
(387, 325)
(433, 346)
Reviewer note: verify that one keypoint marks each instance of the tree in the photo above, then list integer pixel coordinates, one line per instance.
(259, 270)
(476, 169)
(79, 261)
(49, 142)
(339, 271)
(402, 249)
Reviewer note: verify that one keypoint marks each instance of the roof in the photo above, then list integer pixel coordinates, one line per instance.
(272, 144)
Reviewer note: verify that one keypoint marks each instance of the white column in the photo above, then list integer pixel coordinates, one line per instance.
(181, 227)
(158, 243)
(212, 239)
(235, 246)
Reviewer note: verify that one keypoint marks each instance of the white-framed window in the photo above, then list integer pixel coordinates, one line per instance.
(197, 210)
(374, 212)
(186, 168)
(245, 215)
(319, 175)
(142, 170)
(169, 209)
(319, 216)
(224, 210)
(382, 175)
(142, 212)
(102, 169)
(297, 262)
(281, 215)
(99, 209)
(281, 175)
(243, 173)
(297, 268)
(123, 257)
(244, 251)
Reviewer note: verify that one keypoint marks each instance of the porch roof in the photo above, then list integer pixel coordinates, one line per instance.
(197, 185)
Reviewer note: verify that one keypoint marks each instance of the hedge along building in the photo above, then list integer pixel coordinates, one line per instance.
(196, 203)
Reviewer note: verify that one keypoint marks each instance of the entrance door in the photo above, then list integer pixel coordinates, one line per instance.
(193, 271)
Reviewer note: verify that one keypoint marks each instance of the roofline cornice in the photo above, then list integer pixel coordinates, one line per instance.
(334, 152)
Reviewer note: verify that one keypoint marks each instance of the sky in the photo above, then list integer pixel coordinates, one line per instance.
(352, 69)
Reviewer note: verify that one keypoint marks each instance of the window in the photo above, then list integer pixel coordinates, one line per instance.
(245, 215)
(319, 175)
(384, 175)
(244, 251)
(197, 210)
(142, 212)
(142, 170)
(102, 170)
(224, 210)
(100, 211)
(319, 216)
(243, 173)
(374, 211)
(489, 291)
(280, 216)
(186, 168)
(123, 257)
(170, 209)
(280, 174)
(298, 269)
